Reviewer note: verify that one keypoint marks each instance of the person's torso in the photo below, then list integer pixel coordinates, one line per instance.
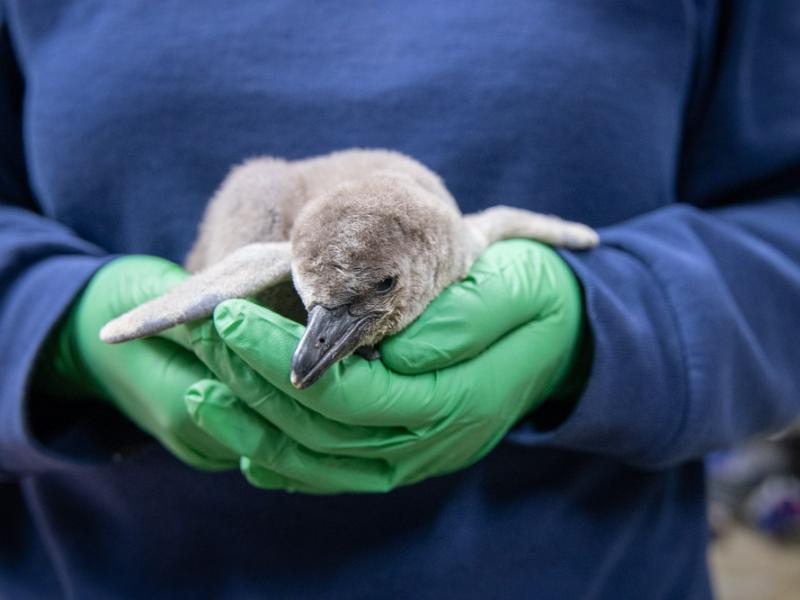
(135, 111)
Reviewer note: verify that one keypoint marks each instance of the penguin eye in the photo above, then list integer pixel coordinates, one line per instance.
(385, 285)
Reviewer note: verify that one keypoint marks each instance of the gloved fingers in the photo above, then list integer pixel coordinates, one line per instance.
(200, 392)
(302, 425)
(320, 434)
(322, 474)
(309, 428)
(207, 452)
(180, 334)
(354, 391)
(519, 371)
(186, 335)
(261, 477)
(270, 480)
(186, 453)
(511, 283)
(155, 401)
(216, 410)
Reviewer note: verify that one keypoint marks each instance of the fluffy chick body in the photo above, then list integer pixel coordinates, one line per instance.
(352, 217)
(369, 237)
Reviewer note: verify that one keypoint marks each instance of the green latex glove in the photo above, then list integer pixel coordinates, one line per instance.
(145, 379)
(487, 351)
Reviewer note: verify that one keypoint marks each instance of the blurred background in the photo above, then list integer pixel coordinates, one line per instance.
(754, 507)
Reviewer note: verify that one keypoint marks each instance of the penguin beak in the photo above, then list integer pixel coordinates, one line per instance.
(331, 335)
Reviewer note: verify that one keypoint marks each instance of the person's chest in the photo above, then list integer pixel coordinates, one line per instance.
(135, 110)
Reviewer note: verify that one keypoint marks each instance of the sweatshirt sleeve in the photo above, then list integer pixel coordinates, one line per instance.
(694, 309)
(43, 265)
(694, 318)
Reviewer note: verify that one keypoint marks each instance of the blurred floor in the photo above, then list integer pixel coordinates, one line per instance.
(748, 566)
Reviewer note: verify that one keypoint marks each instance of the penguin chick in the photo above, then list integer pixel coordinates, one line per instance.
(373, 237)
(366, 261)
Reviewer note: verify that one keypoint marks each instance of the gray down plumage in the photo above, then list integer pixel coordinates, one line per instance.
(338, 227)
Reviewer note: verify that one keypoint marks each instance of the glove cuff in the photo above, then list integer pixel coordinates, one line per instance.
(58, 372)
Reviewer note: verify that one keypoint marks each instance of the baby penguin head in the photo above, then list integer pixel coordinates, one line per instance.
(367, 259)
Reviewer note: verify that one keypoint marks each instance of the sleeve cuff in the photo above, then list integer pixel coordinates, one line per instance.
(39, 299)
(635, 399)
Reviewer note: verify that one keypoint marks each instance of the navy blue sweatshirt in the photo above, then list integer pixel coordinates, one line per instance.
(673, 126)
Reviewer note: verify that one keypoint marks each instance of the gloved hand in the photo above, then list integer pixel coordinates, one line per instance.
(145, 379)
(487, 351)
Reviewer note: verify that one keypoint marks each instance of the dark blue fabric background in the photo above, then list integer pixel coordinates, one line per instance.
(674, 126)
